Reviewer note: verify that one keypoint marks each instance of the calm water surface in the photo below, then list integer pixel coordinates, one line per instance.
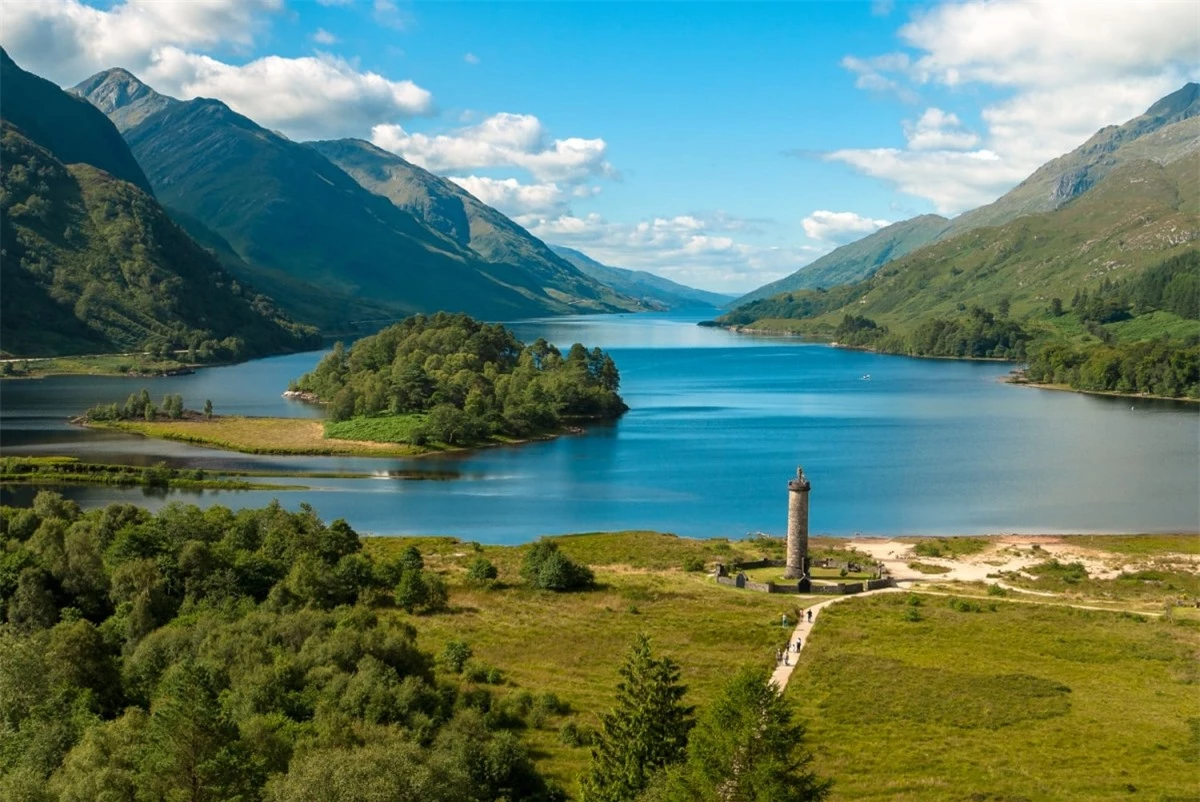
(718, 424)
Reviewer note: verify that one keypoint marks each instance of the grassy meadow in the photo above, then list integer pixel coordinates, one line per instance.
(262, 436)
(1020, 702)
(1014, 701)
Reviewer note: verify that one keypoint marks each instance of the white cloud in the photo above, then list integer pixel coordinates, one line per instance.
(938, 130)
(502, 140)
(699, 251)
(324, 37)
(66, 41)
(1066, 69)
(278, 92)
(389, 14)
(839, 227)
(471, 58)
(516, 199)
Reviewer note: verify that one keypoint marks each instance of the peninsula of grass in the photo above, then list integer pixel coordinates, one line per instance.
(254, 435)
(70, 471)
(1026, 700)
(132, 365)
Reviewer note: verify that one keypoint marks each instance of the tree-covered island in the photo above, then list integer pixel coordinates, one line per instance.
(424, 384)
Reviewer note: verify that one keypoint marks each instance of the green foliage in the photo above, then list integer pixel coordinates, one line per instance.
(746, 746)
(455, 655)
(646, 731)
(94, 264)
(547, 568)
(452, 380)
(949, 547)
(210, 655)
(693, 564)
(1158, 367)
(481, 571)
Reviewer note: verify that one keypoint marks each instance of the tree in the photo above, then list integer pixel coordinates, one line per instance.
(746, 747)
(481, 571)
(191, 747)
(208, 409)
(1056, 307)
(547, 568)
(644, 733)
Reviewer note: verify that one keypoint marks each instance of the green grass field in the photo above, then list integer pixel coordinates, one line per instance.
(382, 429)
(1029, 701)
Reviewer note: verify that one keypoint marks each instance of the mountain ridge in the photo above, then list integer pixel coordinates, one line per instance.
(92, 262)
(642, 284)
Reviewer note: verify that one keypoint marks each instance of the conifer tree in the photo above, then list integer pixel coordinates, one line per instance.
(646, 731)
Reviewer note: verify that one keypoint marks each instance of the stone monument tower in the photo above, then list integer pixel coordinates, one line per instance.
(797, 531)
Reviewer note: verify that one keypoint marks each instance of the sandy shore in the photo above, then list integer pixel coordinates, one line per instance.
(1010, 553)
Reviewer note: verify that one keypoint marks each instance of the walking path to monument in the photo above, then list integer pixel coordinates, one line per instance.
(802, 631)
(784, 672)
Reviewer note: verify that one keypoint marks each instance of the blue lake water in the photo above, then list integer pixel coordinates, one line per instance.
(718, 424)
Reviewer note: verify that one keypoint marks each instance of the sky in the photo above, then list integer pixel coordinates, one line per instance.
(722, 145)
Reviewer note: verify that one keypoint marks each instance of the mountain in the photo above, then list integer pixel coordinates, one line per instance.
(857, 260)
(646, 287)
(1139, 215)
(70, 128)
(458, 215)
(305, 229)
(122, 97)
(91, 262)
(1168, 130)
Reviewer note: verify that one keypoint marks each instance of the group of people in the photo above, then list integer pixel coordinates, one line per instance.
(781, 655)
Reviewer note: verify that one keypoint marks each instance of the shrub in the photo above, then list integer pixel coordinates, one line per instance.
(571, 734)
(455, 655)
(911, 614)
(481, 571)
(996, 590)
(693, 564)
(548, 568)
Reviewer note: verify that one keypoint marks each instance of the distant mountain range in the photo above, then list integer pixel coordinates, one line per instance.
(288, 218)
(1138, 216)
(512, 253)
(91, 262)
(650, 289)
(857, 260)
(1168, 130)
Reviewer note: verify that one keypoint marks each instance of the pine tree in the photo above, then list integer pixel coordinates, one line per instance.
(645, 732)
(747, 747)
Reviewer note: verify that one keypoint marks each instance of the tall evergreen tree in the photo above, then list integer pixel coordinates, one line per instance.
(747, 748)
(646, 731)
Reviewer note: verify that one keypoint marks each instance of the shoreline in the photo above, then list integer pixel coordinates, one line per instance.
(295, 437)
(1066, 388)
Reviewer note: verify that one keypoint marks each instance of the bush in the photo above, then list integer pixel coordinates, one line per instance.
(481, 571)
(548, 568)
(911, 614)
(571, 734)
(421, 591)
(455, 655)
(996, 590)
(693, 564)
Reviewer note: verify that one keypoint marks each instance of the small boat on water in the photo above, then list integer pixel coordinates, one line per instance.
(866, 377)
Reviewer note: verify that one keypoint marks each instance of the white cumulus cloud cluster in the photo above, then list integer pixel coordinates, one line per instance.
(1065, 70)
(839, 227)
(66, 41)
(502, 140)
(697, 250)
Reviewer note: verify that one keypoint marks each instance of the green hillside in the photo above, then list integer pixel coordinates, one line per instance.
(93, 264)
(857, 260)
(453, 212)
(646, 287)
(1073, 276)
(1167, 131)
(69, 127)
(303, 228)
